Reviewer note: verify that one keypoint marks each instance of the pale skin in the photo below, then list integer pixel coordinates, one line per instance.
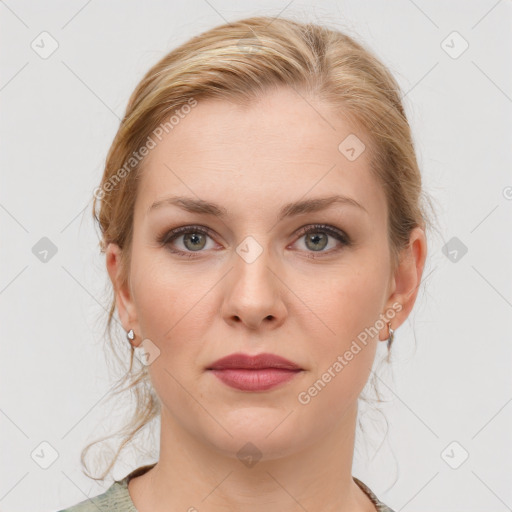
(195, 310)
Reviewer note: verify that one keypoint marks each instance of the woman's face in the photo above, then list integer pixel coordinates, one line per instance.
(253, 282)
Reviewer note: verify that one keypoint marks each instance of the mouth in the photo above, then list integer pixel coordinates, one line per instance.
(253, 362)
(254, 373)
(254, 380)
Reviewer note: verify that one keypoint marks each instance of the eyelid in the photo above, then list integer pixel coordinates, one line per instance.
(169, 236)
(331, 230)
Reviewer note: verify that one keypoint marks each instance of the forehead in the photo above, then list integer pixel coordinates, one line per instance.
(281, 146)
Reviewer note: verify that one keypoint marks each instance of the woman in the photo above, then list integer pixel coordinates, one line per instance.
(263, 223)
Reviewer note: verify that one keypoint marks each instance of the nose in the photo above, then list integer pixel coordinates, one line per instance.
(253, 294)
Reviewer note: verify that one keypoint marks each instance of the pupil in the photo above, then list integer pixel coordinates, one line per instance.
(315, 239)
(195, 238)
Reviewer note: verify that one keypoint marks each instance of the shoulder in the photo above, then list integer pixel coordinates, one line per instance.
(384, 508)
(115, 499)
(381, 507)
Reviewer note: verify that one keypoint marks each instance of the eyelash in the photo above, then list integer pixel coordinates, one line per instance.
(167, 237)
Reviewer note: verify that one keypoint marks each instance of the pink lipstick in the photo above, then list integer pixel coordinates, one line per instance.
(254, 373)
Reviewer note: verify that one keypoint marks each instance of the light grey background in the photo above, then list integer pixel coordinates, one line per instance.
(451, 374)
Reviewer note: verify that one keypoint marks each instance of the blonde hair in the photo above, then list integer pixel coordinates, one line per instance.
(239, 62)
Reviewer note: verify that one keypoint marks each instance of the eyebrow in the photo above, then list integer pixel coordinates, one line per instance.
(193, 205)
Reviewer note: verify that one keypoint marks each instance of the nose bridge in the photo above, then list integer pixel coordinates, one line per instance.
(253, 268)
(253, 291)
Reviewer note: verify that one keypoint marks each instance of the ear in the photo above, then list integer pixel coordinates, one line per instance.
(406, 280)
(123, 296)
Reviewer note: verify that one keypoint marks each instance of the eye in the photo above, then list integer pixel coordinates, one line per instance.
(317, 238)
(194, 240)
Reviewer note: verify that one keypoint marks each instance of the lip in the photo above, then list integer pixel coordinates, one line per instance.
(254, 373)
(256, 362)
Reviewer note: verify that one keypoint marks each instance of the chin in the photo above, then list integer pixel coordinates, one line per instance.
(250, 449)
(257, 434)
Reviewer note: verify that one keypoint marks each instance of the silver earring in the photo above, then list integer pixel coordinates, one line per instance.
(391, 334)
(131, 336)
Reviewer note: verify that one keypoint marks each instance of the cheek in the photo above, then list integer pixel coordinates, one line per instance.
(343, 305)
(172, 315)
(168, 297)
(343, 330)
(345, 340)
(176, 310)
(333, 393)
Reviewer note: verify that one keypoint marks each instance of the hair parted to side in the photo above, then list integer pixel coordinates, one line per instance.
(239, 62)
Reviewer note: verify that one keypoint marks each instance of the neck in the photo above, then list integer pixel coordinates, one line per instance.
(192, 475)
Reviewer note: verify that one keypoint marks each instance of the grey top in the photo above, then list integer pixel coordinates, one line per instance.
(117, 498)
